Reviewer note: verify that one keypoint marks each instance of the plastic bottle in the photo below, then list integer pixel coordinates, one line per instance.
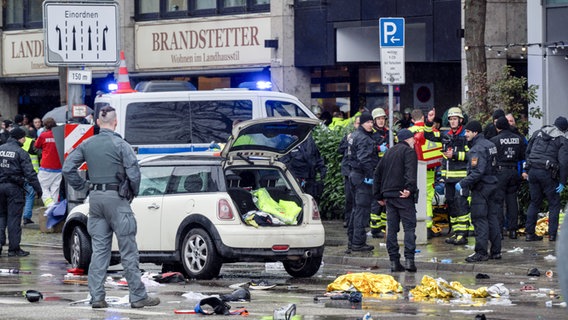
(446, 261)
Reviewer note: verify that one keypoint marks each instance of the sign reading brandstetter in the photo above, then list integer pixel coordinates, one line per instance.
(79, 33)
(391, 33)
(219, 42)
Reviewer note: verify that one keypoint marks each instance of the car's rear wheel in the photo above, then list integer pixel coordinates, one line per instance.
(199, 256)
(303, 268)
(80, 248)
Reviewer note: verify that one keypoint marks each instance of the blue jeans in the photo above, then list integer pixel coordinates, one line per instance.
(30, 196)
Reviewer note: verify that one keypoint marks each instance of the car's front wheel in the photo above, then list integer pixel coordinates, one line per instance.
(199, 256)
(303, 268)
(80, 248)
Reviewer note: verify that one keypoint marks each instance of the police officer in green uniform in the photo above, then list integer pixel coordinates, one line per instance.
(109, 159)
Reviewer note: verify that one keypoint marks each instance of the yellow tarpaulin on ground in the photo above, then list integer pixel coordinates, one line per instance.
(366, 282)
(441, 289)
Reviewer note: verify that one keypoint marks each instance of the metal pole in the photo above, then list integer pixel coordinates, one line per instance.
(391, 110)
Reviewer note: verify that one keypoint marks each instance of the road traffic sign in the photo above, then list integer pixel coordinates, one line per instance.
(391, 34)
(78, 33)
(79, 76)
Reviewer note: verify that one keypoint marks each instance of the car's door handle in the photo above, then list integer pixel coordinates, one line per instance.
(153, 206)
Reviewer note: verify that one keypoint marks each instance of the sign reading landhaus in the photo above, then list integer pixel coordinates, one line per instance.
(197, 44)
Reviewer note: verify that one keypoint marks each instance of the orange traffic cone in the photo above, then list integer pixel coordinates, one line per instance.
(123, 80)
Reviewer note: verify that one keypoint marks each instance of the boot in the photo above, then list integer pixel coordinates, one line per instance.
(396, 266)
(409, 265)
(460, 240)
(451, 240)
(512, 234)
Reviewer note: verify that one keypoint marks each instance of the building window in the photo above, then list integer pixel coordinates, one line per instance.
(22, 14)
(168, 9)
(556, 2)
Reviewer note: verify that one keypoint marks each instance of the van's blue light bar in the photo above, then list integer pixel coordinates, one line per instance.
(167, 150)
(256, 85)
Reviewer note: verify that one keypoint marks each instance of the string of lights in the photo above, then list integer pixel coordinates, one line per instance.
(549, 49)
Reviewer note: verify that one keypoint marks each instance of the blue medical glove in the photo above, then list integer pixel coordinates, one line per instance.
(560, 188)
(458, 187)
(383, 147)
(214, 146)
(368, 181)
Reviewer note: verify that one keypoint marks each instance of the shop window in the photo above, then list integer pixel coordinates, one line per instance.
(22, 14)
(168, 9)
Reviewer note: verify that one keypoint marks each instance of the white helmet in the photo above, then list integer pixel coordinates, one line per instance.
(455, 112)
(378, 112)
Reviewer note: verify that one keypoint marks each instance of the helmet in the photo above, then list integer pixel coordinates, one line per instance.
(378, 112)
(455, 112)
(408, 110)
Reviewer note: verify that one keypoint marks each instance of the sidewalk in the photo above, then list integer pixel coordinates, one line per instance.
(532, 256)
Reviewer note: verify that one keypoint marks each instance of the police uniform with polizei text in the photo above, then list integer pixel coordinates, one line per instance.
(547, 167)
(15, 169)
(482, 182)
(510, 150)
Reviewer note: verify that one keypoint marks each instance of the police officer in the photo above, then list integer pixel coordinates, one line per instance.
(305, 162)
(364, 160)
(15, 170)
(510, 150)
(344, 150)
(381, 137)
(396, 187)
(482, 182)
(547, 166)
(110, 160)
(454, 168)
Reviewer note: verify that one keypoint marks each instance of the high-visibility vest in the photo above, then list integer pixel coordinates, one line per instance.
(426, 150)
(35, 160)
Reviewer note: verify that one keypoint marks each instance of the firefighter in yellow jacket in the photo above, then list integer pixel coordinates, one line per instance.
(429, 151)
(454, 168)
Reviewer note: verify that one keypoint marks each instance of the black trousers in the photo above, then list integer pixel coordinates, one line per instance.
(401, 210)
(507, 188)
(360, 216)
(485, 222)
(12, 202)
(348, 189)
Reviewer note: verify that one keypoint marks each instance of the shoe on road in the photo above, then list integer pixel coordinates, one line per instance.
(148, 302)
(396, 266)
(99, 304)
(364, 247)
(18, 253)
(477, 257)
(533, 237)
(495, 256)
(460, 240)
(451, 240)
(28, 221)
(512, 234)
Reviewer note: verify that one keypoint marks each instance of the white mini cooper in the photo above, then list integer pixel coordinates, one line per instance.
(197, 211)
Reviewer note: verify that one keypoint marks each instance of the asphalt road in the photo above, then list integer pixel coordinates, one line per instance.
(47, 270)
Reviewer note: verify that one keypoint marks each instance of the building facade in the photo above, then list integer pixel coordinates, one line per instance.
(324, 52)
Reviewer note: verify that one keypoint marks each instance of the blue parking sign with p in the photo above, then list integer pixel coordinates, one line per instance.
(391, 31)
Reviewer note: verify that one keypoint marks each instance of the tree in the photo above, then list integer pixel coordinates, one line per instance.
(474, 14)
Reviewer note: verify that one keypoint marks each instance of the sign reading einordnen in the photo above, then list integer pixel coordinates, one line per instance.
(79, 33)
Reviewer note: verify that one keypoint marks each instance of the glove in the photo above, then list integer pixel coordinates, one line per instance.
(560, 188)
(368, 181)
(383, 147)
(214, 146)
(458, 187)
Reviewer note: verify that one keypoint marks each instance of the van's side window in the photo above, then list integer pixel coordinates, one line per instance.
(179, 122)
(283, 109)
(213, 120)
(157, 122)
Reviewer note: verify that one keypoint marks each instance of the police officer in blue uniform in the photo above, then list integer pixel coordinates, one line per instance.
(15, 170)
(547, 167)
(482, 182)
(364, 160)
(110, 160)
(510, 150)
